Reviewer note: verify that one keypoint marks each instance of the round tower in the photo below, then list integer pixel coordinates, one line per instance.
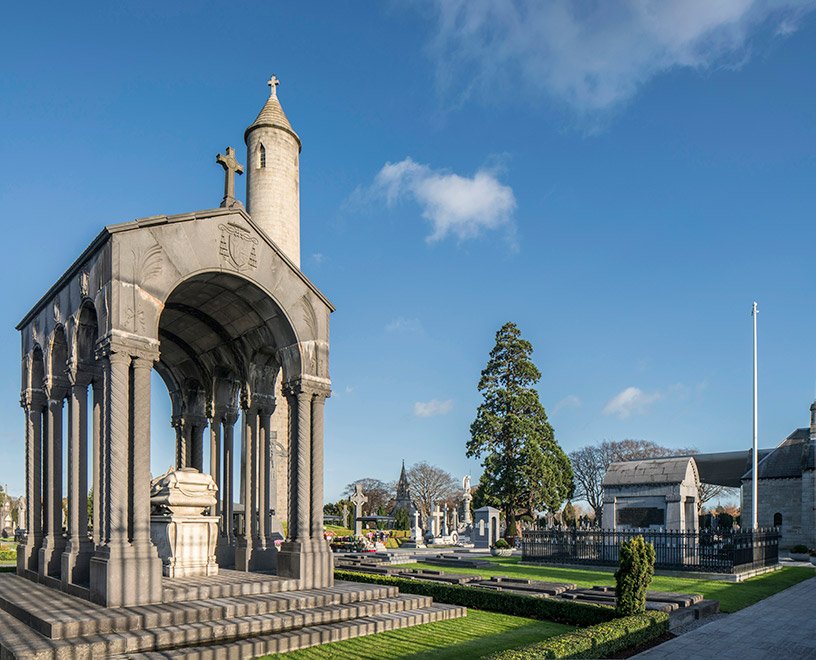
(272, 175)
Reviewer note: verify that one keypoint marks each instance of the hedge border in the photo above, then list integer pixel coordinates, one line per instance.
(598, 641)
(503, 602)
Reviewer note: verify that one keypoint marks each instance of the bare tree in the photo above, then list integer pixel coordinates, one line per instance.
(589, 465)
(379, 494)
(431, 485)
(707, 492)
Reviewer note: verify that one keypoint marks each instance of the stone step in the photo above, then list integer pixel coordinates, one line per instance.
(227, 583)
(71, 617)
(309, 636)
(20, 641)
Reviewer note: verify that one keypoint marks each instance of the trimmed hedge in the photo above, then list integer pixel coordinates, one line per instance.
(599, 641)
(551, 609)
(8, 554)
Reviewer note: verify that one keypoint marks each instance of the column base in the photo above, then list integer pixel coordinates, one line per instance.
(264, 555)
(125, 575)
(50, 563)
(310, 562)
(76, 562)
(28, 555)
(225, 552)
(243, 554)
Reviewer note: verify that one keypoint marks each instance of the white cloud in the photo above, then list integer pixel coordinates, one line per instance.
(631, 401)
(569, 401)
(403, 326)
(433, 408)
(455, 205)
(318, 258)
(595, 55)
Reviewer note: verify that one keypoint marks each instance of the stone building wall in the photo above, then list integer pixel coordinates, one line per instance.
(783, 496)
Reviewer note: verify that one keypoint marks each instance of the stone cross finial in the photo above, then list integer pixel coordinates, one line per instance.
(231, 166)
(273, 83)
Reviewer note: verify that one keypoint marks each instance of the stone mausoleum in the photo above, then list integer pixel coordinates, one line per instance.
(216, 303)
(658, 493)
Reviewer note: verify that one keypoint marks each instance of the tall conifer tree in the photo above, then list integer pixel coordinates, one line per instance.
(525, 471)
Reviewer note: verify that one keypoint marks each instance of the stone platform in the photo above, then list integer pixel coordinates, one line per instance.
(232, 615)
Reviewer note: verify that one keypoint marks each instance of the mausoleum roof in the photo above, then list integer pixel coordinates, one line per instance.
(651, 471)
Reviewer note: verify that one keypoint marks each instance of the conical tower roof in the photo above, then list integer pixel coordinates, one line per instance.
(272, 115)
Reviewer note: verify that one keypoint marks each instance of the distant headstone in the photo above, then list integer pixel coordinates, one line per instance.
(358, 499)
(486, 523)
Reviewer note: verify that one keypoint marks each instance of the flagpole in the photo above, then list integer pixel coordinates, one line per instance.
(754, 461)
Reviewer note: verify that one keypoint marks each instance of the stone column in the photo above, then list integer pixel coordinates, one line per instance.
(245, 542)
(215, 459)
(140, 451)
(125, 573)
(77, 556)
(54, 540)
(229, 471)
(303, 557)
(318, 405)
(98, 446)
(28, 554)
(181, 442)
(197, 444)
(262, 470)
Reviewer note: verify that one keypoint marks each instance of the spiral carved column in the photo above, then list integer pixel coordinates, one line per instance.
(28, 555)
(54, 540)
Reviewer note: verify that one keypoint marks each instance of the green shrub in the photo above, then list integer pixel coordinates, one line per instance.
(8, 554)
(635, 571)
(599, 641)
(504, 602)
(799, 549)
(501, 544)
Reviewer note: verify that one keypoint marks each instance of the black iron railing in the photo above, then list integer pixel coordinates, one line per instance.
(719, 551)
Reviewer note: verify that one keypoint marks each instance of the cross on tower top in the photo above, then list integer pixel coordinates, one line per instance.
(231, 167)
(273, 83)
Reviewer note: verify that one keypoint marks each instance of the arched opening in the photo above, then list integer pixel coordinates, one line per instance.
(494, 532)
(262, 156)
(225, 346)
(777, 519)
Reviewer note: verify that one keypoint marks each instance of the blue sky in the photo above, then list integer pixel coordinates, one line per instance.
(621, 180)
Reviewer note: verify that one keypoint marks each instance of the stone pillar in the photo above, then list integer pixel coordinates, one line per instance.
(125, 573)
(28, 554)
(244, 542)
(98, 445)
(215, 459)
(262, 472)
(77, 556)
(181, 442)
(229, 458)
(303, 557)
(54, 540)
(318, 405)
(197, 444)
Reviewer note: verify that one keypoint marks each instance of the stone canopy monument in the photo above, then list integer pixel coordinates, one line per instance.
(216, 303)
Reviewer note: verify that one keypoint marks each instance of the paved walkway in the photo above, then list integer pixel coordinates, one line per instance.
(782, 626)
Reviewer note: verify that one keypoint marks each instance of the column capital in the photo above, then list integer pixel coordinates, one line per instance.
(56, 390)
(31, 399)
(308, 385)
(131, 346)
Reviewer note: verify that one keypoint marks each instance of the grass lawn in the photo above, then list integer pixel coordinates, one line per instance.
(474, 636)
(733, 596)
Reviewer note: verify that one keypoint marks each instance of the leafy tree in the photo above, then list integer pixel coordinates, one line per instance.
(524, 468)
(568, 515)
(431, 485)
(635, 571)
(401, 519)
(379, 493)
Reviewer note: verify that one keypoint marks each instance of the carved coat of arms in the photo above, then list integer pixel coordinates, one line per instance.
(238, 247)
